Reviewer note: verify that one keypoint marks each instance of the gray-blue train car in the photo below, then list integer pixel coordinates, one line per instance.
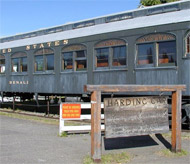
(149, 45)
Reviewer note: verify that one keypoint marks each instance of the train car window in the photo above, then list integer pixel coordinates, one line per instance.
(102, 57)
(67, 61)
(156, 50)
(39, 63)
(110, 54)
(23, 64)
(80, 54)
(119, 56)
(145, 54)
(74, 58)
(80, 60)
(44, 60)
(166, 53)
(188, 44)
(2, 64)
(15, 65)
(19, 62)
(50, 62)
(187, 54)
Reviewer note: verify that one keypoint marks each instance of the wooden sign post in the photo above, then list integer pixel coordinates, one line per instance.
(96, 91)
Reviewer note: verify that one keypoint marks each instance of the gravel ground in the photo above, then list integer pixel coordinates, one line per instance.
(25, 142)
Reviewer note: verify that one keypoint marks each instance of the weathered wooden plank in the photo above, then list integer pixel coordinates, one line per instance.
(176, 121)
(135, 116)
(133, 88)
(96, 126)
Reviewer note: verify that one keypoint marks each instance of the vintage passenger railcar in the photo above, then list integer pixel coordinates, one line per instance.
(148, 45)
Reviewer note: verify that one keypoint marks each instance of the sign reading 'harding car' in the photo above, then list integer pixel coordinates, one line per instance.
(135, 116)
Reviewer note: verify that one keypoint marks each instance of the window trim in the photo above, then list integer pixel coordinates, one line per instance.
(186, 54)
(95, 57)
(67, 70)
(155, 52)
(44, 55)
(3, 58)
(19, 55)
(153, 57)
(73, 48)
(166, 64)
(102, 44)
(80, 59)
(110, 59)
(35, 67)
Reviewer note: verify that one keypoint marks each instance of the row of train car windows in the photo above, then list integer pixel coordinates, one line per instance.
(76, 60)
(153, 50)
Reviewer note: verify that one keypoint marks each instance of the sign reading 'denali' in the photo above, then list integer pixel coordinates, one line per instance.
(135, 116)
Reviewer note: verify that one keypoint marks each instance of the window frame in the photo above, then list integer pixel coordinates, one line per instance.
(73, 49)
(110, 55)
(95, 61)
(46, 62)
(174, 64)
(156, 52)
(62, 57)
(187, 36)
(153, 57)
(44, 58)
(35, 65)
(80, 59)
(19, 56)
(2, 57)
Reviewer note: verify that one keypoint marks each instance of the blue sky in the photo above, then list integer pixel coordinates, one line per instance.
(19, 16)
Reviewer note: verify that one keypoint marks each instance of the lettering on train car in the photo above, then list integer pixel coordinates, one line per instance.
(4, 51)
(48, 44)
(36, 46)
(18, 82)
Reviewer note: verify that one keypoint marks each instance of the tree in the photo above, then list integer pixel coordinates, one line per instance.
(155, 2)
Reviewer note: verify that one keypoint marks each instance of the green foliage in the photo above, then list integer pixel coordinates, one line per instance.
(168, 153)
(184, 135)
(150, 2)
(31, 118)
(119, 158)
(64, 134)
(155, 2)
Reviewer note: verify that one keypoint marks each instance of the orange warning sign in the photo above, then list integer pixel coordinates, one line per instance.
(71, 110)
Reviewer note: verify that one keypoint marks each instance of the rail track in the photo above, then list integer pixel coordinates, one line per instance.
(30, 114)
(55, 117)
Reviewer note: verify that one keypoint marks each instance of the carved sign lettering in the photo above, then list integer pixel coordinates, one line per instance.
(135, 116)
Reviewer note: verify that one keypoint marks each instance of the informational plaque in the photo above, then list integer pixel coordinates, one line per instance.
(71, 111)
(133, 116)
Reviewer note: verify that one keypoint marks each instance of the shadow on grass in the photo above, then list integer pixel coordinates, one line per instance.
(129, 142)
(134, 142)
(164, 141)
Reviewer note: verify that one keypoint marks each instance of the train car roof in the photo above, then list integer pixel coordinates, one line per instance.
(141, 18)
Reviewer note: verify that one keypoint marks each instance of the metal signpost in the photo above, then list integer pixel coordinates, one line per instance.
(96, 91)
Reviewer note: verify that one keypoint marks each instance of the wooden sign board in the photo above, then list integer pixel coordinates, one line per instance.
(71, 111)
(134, 116)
